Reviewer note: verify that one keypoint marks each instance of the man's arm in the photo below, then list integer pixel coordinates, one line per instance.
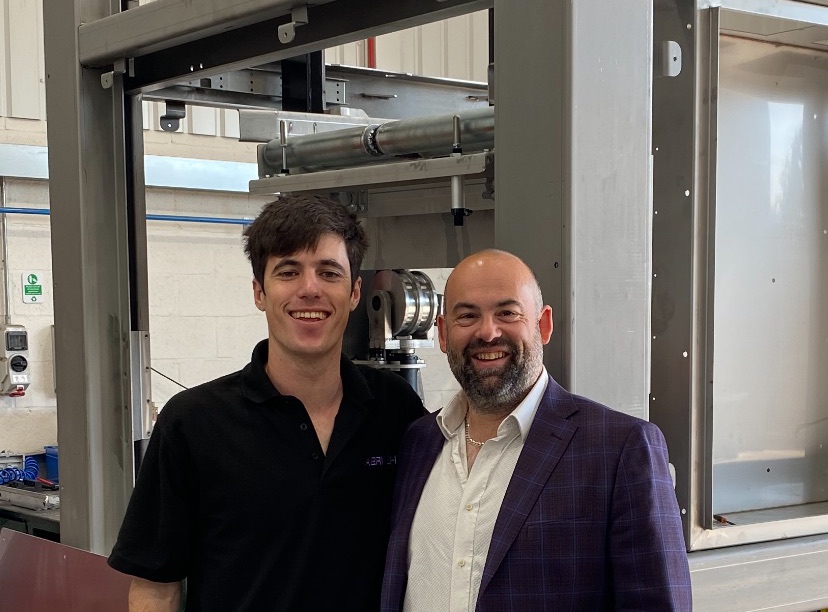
(647, 550)
(147, 596)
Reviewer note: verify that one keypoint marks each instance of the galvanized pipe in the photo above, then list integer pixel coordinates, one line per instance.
(358, 145)
(430, 134)
(340, 147)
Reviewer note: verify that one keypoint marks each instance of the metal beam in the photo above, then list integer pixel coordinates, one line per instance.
(531, 171)
(380, 93)
(167, 23)
(87, 187)
(256, 44)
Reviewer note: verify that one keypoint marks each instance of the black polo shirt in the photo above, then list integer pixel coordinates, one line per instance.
(236, 495)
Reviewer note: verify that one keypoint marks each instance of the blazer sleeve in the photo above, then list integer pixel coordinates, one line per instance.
(648, 560)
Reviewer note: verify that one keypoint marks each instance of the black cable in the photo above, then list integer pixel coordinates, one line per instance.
(168, 378)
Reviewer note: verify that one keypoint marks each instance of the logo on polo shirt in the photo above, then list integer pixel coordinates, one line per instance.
(381, 460)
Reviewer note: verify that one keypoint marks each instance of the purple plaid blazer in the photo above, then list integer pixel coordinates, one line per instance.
(589, 521)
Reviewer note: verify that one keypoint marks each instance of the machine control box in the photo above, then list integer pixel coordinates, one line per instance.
(14, 360)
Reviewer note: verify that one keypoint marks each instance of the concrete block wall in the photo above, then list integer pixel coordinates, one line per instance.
(203, 322)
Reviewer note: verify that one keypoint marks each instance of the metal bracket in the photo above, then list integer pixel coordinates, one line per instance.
(298, 17)
(174, 113)
(119, 67)
(667, 60)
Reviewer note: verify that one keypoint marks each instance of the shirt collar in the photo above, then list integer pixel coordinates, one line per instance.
(451, 417)
(257, 387)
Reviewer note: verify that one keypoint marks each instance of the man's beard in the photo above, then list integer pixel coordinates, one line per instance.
(497, 390)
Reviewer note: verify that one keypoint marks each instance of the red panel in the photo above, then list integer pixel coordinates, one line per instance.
(37, 575)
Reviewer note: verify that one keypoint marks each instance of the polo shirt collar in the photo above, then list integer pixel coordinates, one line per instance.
(257, 387)
(451, 417)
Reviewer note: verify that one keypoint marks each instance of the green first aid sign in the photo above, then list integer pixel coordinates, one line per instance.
(32, 287)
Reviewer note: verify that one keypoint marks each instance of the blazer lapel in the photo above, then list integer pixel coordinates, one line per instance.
(422, 457)
(547, 440)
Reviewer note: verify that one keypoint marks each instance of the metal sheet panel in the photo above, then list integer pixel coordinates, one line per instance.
(532, 143)
(397, 241)
(37, 575)
(611, 203)
(673, 233)
(770, 392)
(785, 576)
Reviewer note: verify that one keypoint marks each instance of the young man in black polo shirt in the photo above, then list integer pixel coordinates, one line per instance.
(270, 488)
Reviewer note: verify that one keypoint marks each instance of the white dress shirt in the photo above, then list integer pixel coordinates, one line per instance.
(455, 518)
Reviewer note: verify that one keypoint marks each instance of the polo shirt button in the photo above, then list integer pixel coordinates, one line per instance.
(315, 455)
(469, 506)
(461, 563)
(303, 426)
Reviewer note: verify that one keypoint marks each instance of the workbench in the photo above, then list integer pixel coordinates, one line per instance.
(41, 523)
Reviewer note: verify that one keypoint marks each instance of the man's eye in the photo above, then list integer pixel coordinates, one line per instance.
(466, 316)
(330, 274)
(286, 273)
(509, 314)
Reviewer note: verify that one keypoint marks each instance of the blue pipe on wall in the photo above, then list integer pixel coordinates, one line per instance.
(176, 218)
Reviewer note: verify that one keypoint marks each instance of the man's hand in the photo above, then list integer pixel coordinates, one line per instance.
(147, 596)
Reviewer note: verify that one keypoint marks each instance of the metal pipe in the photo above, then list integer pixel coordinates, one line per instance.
(176, 218)
(430, 134)
(358, 145)
(340, 147)
(5, 237)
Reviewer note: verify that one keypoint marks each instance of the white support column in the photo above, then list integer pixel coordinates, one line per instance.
(91, 282)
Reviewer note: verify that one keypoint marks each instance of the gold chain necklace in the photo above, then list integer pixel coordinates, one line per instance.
(469, 439)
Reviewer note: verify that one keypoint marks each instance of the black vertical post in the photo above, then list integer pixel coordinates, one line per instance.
(303, 83)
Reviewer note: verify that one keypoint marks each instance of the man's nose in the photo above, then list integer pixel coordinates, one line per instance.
(309, 286)
(488, 329)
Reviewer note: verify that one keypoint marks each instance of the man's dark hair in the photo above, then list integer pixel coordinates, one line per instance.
(294, 223)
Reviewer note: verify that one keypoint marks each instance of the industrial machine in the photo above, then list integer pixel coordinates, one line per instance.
(14, 362)
(395, 318)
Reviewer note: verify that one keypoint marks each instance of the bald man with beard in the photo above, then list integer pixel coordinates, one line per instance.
(519, 495)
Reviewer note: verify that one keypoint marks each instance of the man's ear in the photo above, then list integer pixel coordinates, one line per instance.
(258, 295)
(356, 292)
(441, 331)
(545, 324)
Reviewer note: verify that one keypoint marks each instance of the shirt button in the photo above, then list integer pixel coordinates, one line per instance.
(303, 426)
(461, 563)
(469, 506)
(315, 455)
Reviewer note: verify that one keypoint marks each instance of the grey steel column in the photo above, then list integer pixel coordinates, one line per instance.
(531, 110)
(91, 282)
(572, 183)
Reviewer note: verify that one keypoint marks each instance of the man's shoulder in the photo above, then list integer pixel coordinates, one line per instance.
(423, 428)
(591, 413)
(215, 392)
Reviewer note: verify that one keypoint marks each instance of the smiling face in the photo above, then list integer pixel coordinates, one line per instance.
(494, 330)
(307, 298)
